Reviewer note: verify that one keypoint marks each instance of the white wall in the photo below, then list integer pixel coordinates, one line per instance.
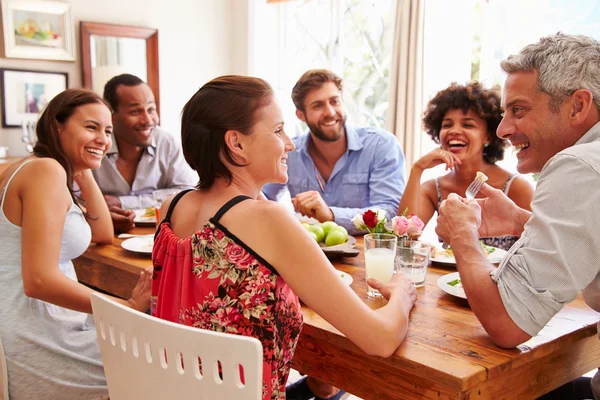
(196, 44)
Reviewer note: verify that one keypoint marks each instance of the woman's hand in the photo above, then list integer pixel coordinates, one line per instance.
(437, 157)
(140, 297)
(83, 178)
(399, 285)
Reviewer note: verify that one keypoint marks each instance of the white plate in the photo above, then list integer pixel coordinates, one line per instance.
(141, 220)
(346, 277)
(139, 244)
(494, 257)
(442, 282)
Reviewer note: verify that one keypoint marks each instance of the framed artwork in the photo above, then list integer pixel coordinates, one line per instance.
(38, 29)
(25, 93)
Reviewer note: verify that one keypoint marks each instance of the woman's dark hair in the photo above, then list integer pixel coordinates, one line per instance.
(484, 102)
(226, 103)
(58, 111)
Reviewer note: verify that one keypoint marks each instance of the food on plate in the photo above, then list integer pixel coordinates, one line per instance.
(481, 176)
(329, 233)
(149, 212)
(456, 283)
(327, 225)
(335, 237)
(439, 252)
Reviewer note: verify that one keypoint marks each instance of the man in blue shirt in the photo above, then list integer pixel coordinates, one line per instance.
(337, 170)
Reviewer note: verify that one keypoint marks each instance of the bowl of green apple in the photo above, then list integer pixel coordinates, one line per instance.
(333, 239)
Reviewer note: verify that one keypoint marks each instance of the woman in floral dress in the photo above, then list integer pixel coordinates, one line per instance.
(227, 260)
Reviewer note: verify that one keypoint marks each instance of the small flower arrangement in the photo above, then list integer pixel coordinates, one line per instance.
(405, 226)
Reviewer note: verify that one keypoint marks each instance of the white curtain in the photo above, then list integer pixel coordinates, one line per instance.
(406, 78)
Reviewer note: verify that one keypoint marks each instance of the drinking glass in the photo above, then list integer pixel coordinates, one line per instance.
(380, 252)
(159, 197)
(412, 260)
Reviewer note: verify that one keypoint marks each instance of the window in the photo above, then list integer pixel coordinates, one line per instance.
(353, 38)
(485, 32)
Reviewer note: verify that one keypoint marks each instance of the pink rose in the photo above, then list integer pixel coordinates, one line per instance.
(237, 255)
(415, 226)
(400, 225)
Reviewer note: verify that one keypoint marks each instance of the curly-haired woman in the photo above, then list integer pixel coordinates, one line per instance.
(463, 120)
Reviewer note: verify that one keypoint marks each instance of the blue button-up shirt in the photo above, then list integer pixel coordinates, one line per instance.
(370, 174)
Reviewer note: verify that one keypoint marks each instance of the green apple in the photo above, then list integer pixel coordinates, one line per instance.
(334, 237)
(318, 231)
(314, 236)
(327, 226)
(340, 229)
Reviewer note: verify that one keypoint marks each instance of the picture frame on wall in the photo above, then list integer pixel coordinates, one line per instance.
(38, 29)
(25, 93)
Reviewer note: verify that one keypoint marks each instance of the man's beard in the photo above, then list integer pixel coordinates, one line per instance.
(324, 137)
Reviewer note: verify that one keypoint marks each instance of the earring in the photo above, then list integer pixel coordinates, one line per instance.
(486, 145)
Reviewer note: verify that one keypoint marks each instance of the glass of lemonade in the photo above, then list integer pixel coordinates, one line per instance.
(380, 253)
(412, 260)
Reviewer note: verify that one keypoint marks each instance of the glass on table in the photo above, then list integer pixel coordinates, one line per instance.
(412, 260)
(380, 252)
(159, 196)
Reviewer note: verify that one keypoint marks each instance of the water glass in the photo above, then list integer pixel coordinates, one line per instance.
(380, 252)
(412, 260)
(159, 197)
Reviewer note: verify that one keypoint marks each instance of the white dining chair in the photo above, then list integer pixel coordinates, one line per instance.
(148, 358)
(3, 375)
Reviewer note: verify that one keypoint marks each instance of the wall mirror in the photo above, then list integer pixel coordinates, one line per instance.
(109, 50)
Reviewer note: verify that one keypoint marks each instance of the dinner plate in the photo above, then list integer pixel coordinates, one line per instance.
(442, 283)
(142, 244)
(346, 277)
(141, 220)
(439, 255)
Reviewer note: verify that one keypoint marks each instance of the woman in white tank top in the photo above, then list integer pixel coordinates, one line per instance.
(45, 327)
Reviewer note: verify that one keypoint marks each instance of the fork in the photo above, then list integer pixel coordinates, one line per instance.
(475, 186)
(472, 191)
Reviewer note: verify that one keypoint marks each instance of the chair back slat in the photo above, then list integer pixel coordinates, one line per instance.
(149, 358)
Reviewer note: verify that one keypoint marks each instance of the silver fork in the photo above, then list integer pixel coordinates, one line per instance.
(472, 191)
(474, 187)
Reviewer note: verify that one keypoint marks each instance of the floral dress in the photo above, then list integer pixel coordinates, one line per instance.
(212, 280)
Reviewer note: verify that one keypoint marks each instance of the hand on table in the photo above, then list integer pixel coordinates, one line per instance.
(457, 216)
(122, 219)
(140, 297)
(399, 285)
(311, 204)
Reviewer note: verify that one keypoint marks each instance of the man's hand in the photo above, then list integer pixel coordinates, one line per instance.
(457, 216)
(311, 204)
(112, 201)
(499, 214)
(122, 219)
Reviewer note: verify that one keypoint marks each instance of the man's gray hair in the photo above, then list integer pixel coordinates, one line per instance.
(565, 63)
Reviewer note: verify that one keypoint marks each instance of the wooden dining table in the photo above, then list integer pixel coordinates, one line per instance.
(446, 354)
